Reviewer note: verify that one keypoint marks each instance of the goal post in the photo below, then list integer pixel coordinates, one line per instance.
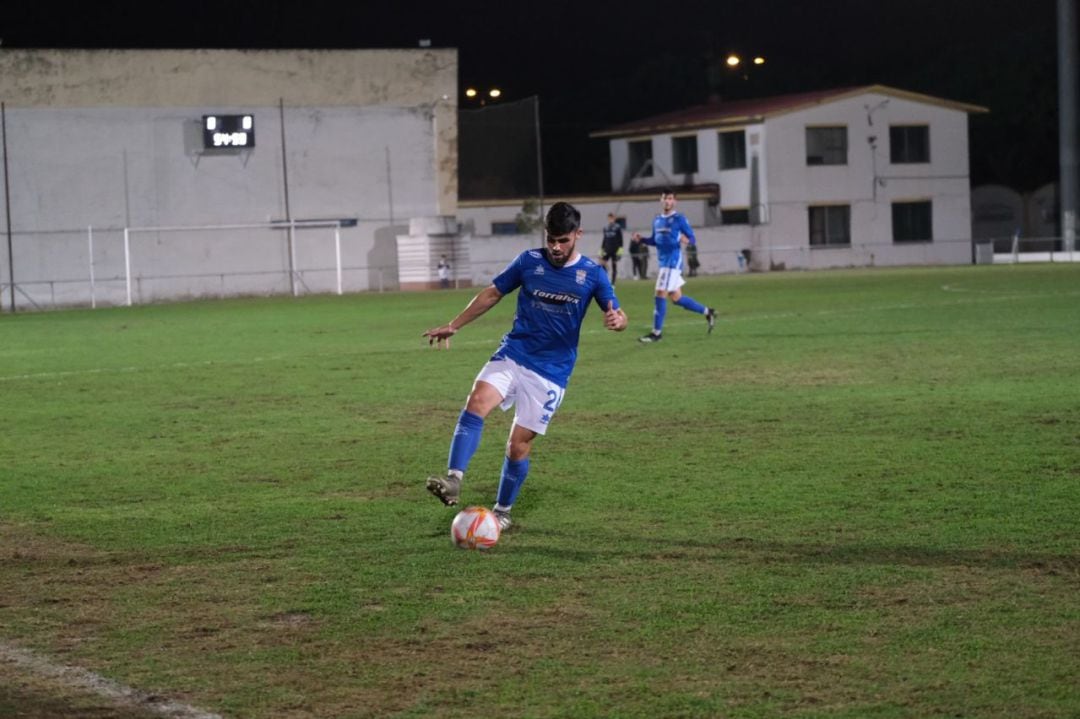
(235, 262)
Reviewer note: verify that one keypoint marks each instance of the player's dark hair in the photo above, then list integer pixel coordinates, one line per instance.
(666, 191)
(562, 219)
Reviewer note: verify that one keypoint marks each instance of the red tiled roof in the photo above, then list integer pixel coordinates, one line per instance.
(756, 110)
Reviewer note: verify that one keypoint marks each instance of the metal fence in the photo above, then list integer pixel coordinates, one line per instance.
(124, 266)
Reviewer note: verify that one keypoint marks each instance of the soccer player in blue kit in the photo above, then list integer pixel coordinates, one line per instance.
(532, 365)
(668, 228)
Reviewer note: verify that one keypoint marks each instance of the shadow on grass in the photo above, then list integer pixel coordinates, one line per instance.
(553, 544)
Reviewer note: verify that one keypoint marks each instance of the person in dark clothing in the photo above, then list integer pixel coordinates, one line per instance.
(639, 256)
(611, 247)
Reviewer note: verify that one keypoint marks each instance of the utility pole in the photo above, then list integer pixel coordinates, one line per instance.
(1067, 131)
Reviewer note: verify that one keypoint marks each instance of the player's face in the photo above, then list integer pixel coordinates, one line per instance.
(667, 202)
(561, 248)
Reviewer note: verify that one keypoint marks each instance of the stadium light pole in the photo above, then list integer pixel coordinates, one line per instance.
(539, 162)
(288, 211)
(1067, 120)
(7, 207)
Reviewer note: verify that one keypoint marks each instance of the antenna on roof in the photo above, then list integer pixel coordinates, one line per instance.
(871, 110)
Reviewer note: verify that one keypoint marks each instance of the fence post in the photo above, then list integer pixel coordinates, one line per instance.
(337, 253)
(93, 293)
(127, 263)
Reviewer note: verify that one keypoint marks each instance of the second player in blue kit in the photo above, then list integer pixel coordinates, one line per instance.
(668, 230)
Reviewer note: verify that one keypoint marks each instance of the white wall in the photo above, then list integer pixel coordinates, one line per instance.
(477, 216)
(717, 246)
(106, 169)
(793, 185)
(112, 139)
(869, 183)
(218, 79)
(735, 184)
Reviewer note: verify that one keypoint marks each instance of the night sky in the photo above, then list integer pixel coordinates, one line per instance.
(596, 64)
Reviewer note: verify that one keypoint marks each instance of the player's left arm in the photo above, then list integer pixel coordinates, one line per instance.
(614, 318)
(687, 230)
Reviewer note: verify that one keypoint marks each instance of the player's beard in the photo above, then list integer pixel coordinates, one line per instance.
(565, 253)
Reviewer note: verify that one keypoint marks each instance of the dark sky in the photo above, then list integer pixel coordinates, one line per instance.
(595, 64)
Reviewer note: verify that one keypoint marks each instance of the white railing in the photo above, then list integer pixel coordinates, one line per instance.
(124, 266)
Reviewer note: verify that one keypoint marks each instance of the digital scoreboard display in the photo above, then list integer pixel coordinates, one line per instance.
(228, 131)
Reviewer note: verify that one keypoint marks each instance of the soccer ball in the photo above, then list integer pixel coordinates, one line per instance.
(475, 528)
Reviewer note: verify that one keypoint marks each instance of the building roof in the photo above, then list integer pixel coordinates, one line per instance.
(744, 112)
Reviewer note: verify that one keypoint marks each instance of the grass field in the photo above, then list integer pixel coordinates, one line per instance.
(860, 497)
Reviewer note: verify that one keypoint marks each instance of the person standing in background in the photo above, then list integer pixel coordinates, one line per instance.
(444, 272)
(639, 256)
(612, 246)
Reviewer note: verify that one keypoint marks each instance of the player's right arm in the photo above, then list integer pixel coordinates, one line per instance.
(481, 303)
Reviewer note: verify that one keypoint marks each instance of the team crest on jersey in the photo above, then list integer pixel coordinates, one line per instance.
(581, 275)
(539, 270)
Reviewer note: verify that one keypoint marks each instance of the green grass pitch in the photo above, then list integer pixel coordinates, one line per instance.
(859, 497)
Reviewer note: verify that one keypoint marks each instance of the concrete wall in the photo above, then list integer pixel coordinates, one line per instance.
(999, 213)
(719, 248)
(112, 139)
(718, 253)
(216, 80)
(477, 216)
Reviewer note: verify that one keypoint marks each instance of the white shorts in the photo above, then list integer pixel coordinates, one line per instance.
(669, 279)
(536, 398)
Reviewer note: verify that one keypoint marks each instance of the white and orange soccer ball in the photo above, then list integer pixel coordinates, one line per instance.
(475, 528)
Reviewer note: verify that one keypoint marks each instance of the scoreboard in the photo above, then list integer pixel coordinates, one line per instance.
(228, 131)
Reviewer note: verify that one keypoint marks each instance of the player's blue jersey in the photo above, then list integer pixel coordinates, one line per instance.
(665, 238)
(550, 308)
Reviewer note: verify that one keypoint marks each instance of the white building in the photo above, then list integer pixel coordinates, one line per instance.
(849, 177)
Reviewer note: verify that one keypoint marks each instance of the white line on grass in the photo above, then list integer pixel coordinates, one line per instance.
(81, 679)
(124, 370)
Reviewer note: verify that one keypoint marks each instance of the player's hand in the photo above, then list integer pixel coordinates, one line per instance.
(614, 320)
(438, 335)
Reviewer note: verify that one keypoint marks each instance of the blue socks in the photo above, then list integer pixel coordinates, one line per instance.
(658, 314)
(687, 303)
(691, 304)
(513, 476)
(466, 439)
(464, 445)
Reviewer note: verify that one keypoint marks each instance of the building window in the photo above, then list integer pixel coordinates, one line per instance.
(830, 226)
(641, 158)
(909, 144)
(733, 150)
(912, 222)
(734, 217)
(508, 227)
(826, 145)
(684, 154)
